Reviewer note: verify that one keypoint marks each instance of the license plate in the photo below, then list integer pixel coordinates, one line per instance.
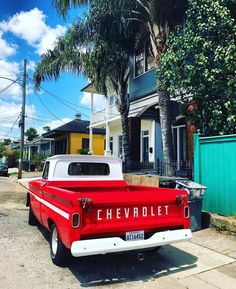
(134, 236)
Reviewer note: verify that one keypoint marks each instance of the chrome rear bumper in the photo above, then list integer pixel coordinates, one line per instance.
(116, 244)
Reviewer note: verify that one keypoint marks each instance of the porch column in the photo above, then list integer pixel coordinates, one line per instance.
(50, 147)
(90, 127)
(107, 149)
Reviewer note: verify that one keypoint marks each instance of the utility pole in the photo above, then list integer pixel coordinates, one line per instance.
(22, 121)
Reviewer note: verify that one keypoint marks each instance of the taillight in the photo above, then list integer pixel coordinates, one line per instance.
(75, 220)
(186, 212)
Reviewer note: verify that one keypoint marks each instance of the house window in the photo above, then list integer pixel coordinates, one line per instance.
(145, 146)
(61, 146)
(85, 143)
(120, 145)
(143, 59)
(46, 171)
(139, 62)
(149, 63)
(111, 144)
(111, 100)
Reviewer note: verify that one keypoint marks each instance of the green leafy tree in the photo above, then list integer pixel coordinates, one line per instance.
(7, 141)
(31, 133)
(200, 66)
(38, 160)
(2, 149)
(46, 128)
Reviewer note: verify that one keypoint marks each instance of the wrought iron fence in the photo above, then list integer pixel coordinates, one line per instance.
(162, 168)
(180, 169)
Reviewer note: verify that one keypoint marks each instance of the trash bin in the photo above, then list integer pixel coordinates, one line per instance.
(196, 193)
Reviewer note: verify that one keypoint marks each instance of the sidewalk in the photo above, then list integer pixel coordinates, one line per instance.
(216, 264)
(24, 173)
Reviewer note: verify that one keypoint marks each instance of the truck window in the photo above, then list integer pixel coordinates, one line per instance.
(45, 171)
(88, 169)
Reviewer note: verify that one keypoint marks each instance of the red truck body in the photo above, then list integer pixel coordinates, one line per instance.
(103, 216)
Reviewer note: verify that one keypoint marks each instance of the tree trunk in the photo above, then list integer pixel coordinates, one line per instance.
(126, 141)
(165, 120)
(122, 104)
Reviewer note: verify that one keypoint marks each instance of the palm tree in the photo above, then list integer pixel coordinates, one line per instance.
(158, 17)
(155, 19)
(91, 47)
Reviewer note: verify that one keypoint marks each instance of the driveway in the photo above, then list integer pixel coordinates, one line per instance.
(208, 261)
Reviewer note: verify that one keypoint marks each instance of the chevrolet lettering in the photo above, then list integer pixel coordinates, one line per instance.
(135, 212)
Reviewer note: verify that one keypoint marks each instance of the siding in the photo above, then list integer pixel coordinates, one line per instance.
(142, 85)
(76, 143)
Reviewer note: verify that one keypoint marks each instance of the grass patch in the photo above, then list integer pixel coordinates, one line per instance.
(15, 174)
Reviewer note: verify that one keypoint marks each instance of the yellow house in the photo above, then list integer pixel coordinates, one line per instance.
(73, 136)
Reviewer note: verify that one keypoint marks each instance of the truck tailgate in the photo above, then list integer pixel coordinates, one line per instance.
(115, 213)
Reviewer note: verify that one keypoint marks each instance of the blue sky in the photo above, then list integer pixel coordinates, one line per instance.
(27, 29)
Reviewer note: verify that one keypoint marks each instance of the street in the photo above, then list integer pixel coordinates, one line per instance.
(208, 261)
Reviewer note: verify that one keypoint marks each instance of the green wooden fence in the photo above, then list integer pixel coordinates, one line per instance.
(215, 167)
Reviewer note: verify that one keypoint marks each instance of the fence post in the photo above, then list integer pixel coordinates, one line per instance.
(197, 158)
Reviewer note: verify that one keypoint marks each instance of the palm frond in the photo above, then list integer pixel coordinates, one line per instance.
(63, 6)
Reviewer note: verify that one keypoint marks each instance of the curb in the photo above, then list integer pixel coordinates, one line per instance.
(223, 224)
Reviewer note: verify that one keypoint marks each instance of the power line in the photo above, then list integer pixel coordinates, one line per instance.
(9, 117)
(44, 117)
(79, 106)
(3, 136)
(66, 102)
(7, 135)
(30, 103)
(36, 119)
(47, 107)
(61, 100)
(9, 85)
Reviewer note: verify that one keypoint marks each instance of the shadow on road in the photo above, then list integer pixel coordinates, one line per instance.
(125, 267)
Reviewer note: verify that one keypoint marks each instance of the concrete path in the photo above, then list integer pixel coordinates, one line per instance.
(216, 261)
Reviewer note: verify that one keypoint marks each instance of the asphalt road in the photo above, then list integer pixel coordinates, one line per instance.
(208, 261)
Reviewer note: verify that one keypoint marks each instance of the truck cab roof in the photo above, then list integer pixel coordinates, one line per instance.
(82, 167)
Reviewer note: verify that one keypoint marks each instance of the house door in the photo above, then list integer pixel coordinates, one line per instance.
(179, 143)
(145, 146)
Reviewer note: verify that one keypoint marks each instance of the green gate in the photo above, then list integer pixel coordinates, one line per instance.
(215, 168)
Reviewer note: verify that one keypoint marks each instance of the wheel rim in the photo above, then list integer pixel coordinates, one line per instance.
(54, 241)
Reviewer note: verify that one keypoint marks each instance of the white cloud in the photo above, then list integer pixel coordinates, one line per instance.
(53, 124)
(98, 101)
(9, 70)
(31, 27)
(31, 65)
(49, 38)
(6, 49)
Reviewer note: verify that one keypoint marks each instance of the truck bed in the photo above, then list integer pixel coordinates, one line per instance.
(115, 207)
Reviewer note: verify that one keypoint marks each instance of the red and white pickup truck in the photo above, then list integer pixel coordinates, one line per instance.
(89, 209)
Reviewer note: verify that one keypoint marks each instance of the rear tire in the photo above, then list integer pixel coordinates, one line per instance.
(60, 255)
(32, 219)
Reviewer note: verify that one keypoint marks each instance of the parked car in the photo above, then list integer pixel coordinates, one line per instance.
(3, 169)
